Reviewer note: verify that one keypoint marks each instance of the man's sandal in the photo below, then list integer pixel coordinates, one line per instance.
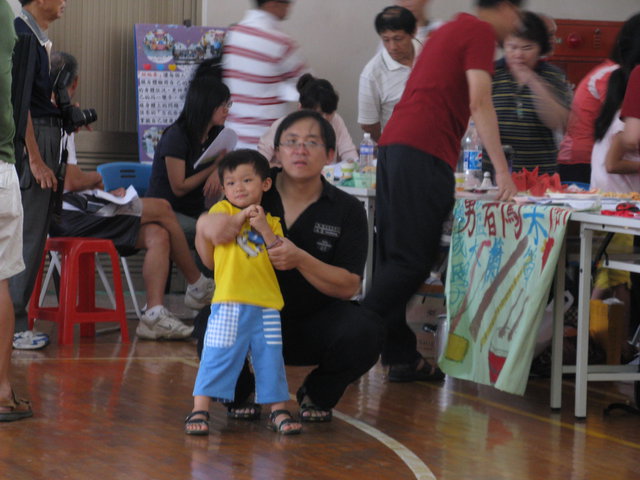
(280, 427)
(13, 408)
(193, 422)
(311, 413)
(252, 412)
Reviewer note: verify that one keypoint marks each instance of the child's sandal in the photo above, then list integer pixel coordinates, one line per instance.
(193, 422)
(280, 427)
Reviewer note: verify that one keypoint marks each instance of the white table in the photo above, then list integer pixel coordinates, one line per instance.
(368, 198)
(589, 223)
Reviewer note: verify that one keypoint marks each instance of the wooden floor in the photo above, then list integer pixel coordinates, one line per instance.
(106, 410)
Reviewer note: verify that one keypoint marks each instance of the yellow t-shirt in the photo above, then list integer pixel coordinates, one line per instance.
(242, 269)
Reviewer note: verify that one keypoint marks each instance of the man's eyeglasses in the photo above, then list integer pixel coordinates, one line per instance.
(228, 105)
(309, 144)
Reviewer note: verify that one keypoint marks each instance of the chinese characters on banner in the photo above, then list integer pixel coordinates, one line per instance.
(502, 261)
(166, 57)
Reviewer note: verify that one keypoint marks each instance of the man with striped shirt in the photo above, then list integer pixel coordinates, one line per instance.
(261, 67)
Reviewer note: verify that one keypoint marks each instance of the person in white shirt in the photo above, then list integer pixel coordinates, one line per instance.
(261, 67)
(383, 79)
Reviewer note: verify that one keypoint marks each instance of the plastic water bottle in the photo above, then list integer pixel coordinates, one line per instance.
(367, 152)
(472, 156)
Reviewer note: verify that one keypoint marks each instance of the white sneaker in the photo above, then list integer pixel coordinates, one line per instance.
(164, 325)
(198, 298)
(30, 340)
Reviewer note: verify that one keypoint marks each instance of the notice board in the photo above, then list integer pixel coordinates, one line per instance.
(166, 57)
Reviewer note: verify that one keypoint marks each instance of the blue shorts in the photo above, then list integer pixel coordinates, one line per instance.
(233, 330)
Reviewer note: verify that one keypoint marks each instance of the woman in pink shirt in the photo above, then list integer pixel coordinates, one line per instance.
(574, 157)
(316, 94)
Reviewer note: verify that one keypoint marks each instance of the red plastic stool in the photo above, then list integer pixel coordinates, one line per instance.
(77, 301)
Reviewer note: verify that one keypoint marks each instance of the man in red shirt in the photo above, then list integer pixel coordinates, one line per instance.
(417, 157)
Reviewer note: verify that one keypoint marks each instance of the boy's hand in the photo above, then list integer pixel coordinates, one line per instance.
(258, 219)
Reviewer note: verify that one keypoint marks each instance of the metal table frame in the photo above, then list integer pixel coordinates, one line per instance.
(589, 223)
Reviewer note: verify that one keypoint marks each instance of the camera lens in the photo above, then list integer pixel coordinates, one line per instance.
(90, 116)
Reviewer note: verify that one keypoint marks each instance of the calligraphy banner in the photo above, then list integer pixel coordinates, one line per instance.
(502, 261)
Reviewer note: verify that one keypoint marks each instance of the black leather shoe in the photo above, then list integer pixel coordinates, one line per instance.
(413, 372)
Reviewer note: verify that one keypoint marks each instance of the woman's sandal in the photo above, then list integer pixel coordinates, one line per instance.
(253, 413)
(192, 422)
(311, 413)
(14, 409)
(280, 427)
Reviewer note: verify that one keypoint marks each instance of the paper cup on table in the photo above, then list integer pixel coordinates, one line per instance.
(328, 172)
(347, 169)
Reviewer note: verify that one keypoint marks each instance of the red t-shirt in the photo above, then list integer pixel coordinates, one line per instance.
(631, 104)
(578, 140)
(433, 113)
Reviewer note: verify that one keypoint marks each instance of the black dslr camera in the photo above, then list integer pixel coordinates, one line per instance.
(72, 117)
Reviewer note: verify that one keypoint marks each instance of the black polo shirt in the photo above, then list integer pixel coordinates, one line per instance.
(42, 89)
(333, 230)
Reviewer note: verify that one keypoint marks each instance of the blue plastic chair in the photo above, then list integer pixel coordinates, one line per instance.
(123, 174)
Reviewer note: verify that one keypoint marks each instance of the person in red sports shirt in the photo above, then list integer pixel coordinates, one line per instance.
(417, 157)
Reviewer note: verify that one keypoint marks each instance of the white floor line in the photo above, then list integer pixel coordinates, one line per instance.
(411, 460)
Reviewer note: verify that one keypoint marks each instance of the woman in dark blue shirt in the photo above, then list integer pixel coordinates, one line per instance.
(174, 177)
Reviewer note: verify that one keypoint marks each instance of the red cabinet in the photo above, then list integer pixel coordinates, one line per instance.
(583, 44)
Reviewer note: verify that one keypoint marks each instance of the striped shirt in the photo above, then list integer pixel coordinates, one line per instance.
(261, 68)
(533, 143)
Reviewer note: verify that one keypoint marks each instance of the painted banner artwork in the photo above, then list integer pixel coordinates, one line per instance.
(502, 261)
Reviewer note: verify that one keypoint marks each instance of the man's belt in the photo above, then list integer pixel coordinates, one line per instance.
(47, 121)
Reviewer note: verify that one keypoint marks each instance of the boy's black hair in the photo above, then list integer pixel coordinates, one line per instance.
(395, 18)
(495, 3)
(244, 156)
(326, 130)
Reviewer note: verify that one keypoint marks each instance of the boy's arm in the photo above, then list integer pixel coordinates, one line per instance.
(258, 220)
(631, 135)
(484, 116)
(615, 161)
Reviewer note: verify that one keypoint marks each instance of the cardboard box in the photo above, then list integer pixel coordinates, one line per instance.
(606, 326)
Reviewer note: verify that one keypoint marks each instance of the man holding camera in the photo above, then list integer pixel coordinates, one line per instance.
(40, 161)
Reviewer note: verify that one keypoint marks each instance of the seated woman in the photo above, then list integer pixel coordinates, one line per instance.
(157, 230)
(315, 94)
(614, 169)
(574, 157)
(531, 98)
(173, 176)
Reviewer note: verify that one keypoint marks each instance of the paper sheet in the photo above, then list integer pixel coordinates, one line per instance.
(226, 140)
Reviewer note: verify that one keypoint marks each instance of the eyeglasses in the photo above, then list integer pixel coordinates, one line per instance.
(228, 105)
(309, 144)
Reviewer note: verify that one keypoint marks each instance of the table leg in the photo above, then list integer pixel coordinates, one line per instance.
(558, 330)
(584, 296)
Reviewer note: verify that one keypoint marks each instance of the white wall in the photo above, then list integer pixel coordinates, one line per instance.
(338, 38)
